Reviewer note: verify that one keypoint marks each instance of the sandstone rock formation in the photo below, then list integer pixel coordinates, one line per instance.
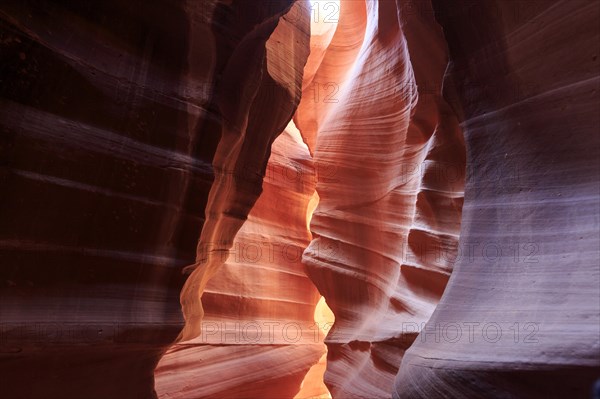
(523, 77)
(384, 149)
(157, 234)
(258, 329)
(113, 115)
(272, 55)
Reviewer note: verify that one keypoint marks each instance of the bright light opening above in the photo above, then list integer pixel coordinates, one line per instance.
(324, 15)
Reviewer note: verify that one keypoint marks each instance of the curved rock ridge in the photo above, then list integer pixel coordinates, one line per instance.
(390, 172)
(520, 315)
(332, 55)
(188, 185)
(273, 54)
(259, 304)
(259, 325)
(113, 116)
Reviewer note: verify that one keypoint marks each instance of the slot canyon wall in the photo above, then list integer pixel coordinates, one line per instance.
(122, 123)
(167, 231)
(524, 78)
(258, 328)
(390, 166)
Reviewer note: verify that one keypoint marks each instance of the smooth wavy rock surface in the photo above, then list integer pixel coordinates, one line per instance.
(115, 119)
(167, 231)
(258, 337)
(520, 315)
(263, 72)
(248, 304)
(383, 146)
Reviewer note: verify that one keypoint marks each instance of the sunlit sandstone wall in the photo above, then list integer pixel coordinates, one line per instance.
(248, 304)
(114, 114)
(389, 157)
(258, 335)
(264, 72)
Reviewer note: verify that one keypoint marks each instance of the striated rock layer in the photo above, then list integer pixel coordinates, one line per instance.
(258, 335)
(113, 116)
(263, 71)
(145, 177)
(249, 307)
(390, 169)
(520, 315)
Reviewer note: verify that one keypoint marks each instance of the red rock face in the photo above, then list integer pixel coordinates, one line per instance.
(157, 234)
(385, 149)
(115, 120)
(241, 156)
(259, 306)
(248, 299)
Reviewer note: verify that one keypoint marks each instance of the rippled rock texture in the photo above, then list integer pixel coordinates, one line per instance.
(116, 117)
(523, 76)
(167, 231)
(390, 166)
(258, 336)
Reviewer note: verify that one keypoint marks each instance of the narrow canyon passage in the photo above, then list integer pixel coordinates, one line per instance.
(261, 312)
(385, 157)
(391, 165)
(299, 199)
(260, 309)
